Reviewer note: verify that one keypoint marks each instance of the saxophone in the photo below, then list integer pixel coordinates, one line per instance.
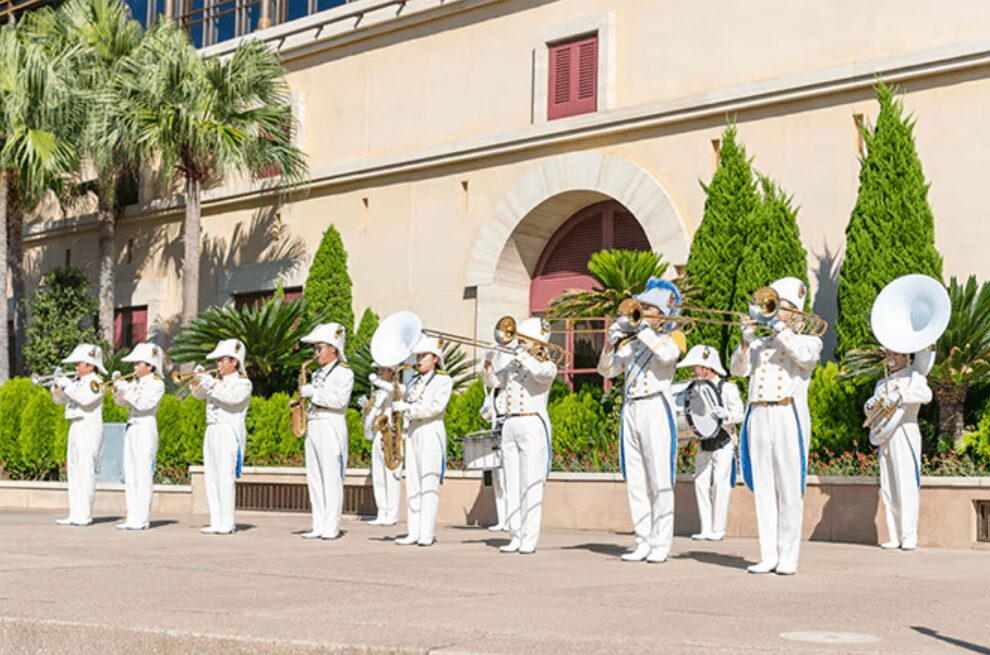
(389, 424)
(298, 421)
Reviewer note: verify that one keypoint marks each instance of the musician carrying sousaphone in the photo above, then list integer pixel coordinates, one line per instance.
(645, 351)
(329, 393)
(908, 316)
(715, 462)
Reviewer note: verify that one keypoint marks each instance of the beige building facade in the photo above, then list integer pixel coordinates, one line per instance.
(435, 148)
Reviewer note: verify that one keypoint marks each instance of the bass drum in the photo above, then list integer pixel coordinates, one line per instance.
(680, 391)
(702, 400)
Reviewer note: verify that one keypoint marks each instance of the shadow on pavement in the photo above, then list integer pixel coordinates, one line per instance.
(705, 557)
(107, 519)
(160, 524)
(612, 550)
(491, 542)
(967, 645)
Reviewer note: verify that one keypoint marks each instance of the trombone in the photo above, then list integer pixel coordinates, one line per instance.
(96, 386)
(47, 381)
(179, 379)
(506, 331)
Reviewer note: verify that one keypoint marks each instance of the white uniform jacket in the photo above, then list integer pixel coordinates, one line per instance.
(332, 386)
(79, 400)
(647, 362)
(141, 396)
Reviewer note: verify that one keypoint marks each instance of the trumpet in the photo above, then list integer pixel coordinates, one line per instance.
(96, 386)
(506, 331)
(47, 381)
(179, 379)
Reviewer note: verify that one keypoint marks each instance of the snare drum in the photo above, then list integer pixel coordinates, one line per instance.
(482, 450)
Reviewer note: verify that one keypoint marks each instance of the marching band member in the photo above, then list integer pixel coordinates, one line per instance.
(715, 463)
(773, 444)
(141, 396)
(647, 432)
(426, 442)
(525, 381)
(84, 411)
(386, 483)
(900, 455)
(228, 397)
(329, 393)
(493, 411)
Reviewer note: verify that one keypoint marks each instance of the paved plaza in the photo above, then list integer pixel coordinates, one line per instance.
(265, 590)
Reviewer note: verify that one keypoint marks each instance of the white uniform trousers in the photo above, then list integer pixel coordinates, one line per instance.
(426, 461)
(900, 484)
(387, 484)
(648, 452)
(326, 459)
(525, 459)
(85, 448)
(140, 453)
(221, 459)
(498, 489)
(776, 459)
(712, 487)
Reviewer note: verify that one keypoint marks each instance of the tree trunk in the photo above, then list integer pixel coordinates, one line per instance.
(951, 400)
(15, 259)
(190, 261)
(108, 258)
(4, 307)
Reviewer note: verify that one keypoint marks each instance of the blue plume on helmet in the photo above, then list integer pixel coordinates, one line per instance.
(664, 285)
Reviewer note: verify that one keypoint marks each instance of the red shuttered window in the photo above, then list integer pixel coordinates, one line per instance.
(573, 78)
(130, 326)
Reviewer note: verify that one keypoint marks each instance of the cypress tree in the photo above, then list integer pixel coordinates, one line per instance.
(718, 244)
(328, 285)
(891, 231)
(361, 337)
(773, 249)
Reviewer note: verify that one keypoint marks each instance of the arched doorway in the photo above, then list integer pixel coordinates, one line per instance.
(564, 265)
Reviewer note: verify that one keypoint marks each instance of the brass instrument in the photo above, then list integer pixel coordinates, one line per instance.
(765, 306)
(97, 386)
(506, 330)
(47, 381)
(179, 379)
(298, 420)
(446, 337)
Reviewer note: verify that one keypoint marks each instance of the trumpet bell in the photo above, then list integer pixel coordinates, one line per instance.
(396, 337)
(910, 313)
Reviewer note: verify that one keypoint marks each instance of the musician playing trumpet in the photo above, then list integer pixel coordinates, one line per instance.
(900, 454)
(84, 411)
(524, 381)
(715, 462)
(141, 396)
(647, 433)
(228, 397)
(386, 483)
(329, 393)
(776, 429)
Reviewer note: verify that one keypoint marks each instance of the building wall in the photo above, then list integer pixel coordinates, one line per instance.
(422, 137)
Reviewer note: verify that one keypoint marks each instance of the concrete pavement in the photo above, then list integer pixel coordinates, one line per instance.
(265, 590)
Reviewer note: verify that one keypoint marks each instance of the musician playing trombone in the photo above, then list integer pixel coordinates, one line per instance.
(386, 483)
(900, 454)
(141, 397)
(776, 429)
(329, 393)
(647, 432)
(715, 463)
(227, 399)
(524, 381)
(426, 444)
(84, 411)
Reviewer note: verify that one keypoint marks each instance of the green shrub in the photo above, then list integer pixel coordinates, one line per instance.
(41, 423)
(181, 426)
(61, 312)
(112, 412)
(14, 397)
(836, 406)
(463, 417)
(359, 448)
(328, 286)
(578, 422)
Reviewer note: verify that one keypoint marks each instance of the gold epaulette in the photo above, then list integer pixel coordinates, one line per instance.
(345, 364)
(440, 371)
(157, 377)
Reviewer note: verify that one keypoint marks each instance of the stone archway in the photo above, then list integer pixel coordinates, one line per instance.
(507, 251)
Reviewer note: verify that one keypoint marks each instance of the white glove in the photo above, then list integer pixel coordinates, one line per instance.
(121, 386)
(616, 333)
(199, 368)
(372, 377)
(307, 391)
(490, 355)
(115, 375)
(892, 398)
(62, 381)
(778, 325)
(401, 406)
(624, 324)
(206, 381)
(871, 403)
(720, 412)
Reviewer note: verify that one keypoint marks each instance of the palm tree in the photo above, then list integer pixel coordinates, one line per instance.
(619, 274)
(205, 120)
(962, 354)
(104, 38)
(37, 126)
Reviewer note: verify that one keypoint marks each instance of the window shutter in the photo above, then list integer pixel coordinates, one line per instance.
(573, 84)
(118, 329)
(139, 325)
